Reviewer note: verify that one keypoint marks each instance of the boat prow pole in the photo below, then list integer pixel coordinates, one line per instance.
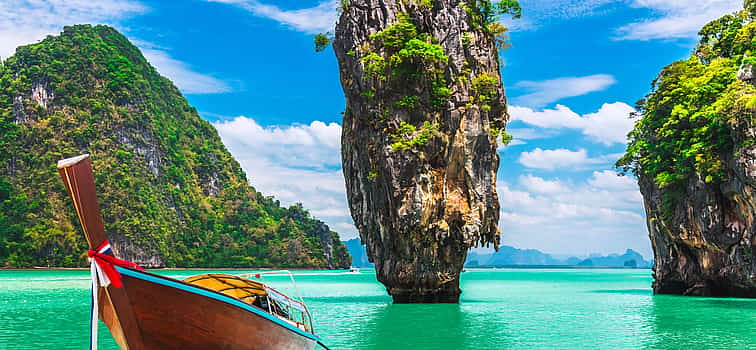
(77, 175)
(115, 310)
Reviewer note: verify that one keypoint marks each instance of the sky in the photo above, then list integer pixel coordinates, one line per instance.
(572, 76)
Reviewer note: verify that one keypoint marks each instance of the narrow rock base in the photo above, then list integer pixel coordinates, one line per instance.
(431, 297)
(721, 289)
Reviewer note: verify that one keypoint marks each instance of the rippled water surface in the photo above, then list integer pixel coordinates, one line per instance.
(500, 309)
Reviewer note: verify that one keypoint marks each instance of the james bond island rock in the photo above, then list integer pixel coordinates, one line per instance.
(171, 194)
(425, 107)
(694, 152)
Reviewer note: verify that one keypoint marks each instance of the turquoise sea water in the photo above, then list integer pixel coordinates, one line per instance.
(500, 309)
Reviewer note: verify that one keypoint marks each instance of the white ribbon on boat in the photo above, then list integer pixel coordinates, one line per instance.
(99, 279)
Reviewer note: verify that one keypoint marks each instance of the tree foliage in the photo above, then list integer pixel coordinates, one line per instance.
(750, 8)
(685, 123)
(491, 11)
(322, 41)
(486, 12)
(407, 137)
(486, 15)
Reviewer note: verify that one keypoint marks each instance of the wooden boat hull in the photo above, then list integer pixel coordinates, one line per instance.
(151, 312)
(171, 314)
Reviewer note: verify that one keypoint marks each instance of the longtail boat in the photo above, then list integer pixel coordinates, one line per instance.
(145, 311)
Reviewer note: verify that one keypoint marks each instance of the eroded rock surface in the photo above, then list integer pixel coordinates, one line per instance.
(706, 248)
(425, 106)
(694, 152)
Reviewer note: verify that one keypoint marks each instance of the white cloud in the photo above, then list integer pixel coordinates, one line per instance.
(562, 159)
(189, 81)
(528, 133)
(564, 9)
(545, 92)
(539, 185)
(321, 18)
(514, 142)
(314, 146)
(609, 125)
(675, 19)
(537, 13)
(598, 214)
(294, 163)
(520, 135)
(559, 117)
(28, 21)
(612, 180)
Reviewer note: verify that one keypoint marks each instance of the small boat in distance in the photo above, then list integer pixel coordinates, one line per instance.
(145, 311)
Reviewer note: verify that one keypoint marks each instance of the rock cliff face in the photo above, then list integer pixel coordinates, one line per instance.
(694, 152)
(170, 192)
(425, 106)
(706, 247)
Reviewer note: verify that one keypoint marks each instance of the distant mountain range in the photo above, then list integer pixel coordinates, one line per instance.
(510, 256)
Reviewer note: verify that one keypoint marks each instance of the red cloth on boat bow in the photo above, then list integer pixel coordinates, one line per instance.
(107, 263)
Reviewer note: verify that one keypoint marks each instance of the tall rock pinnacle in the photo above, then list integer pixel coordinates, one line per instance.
(425, 107)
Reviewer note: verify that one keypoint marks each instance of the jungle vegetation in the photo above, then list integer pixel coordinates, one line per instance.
(167, 185)
(684, 124)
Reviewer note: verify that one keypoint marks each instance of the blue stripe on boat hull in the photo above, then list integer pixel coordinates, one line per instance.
(216, 296)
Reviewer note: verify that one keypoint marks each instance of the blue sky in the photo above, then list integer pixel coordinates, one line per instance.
(572, 75)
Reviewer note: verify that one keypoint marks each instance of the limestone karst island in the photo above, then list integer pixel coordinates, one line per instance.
(377, 174)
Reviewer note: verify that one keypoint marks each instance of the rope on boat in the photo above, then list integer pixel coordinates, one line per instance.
(103, 272)
(323, 345)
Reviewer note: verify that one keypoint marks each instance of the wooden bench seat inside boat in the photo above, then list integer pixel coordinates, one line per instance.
(237, 287)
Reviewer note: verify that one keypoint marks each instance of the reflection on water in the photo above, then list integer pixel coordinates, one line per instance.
(415, 326)
(626, 291)
(500, 309)
(703, 323)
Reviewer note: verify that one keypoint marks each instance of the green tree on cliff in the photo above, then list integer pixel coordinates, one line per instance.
(685, 122)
